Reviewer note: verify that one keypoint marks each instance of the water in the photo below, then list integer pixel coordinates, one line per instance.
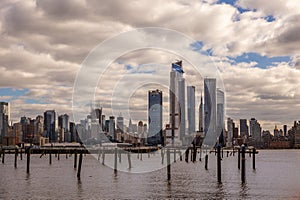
(277, 177)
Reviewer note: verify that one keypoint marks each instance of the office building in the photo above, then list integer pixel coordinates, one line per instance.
(201, 128)
(220, 114)
(4, 119)
(111, 128)
(155, 117)
(191, 108)
(244, 131)
(210, 111)
(50, 125)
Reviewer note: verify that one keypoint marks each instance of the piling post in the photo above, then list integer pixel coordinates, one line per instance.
(227, 153)
(180, 155)
(222, 153)
(58, 155)
(219, 162)
(79, 165)
(120, 157)
(103, 157)
(194, 153)
(162, 157)
(3, 156)
(116, 160)
(243, 174)
(253, 158)
(16, 157)
(28, 160)
(187, 155)
(200, 155)
(75, 159)
(129, 159)
(206, 161)
(21, 154)
(239, 158)
(168, 165)
(174, 155)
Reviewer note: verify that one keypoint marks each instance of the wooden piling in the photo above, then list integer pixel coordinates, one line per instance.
(162, 157)
(103, 157)
(243, 173)
(206, 161)
(3, 156)
(116, 160)
(168, 165)
(253, 158)
(219, 162)
(129, 159)
(79, 165)
(50, 157)
(120, 157)
(239, 158)
(222, 153)
(58, 155)
(75, 160)
(21, 154)
(227, 153)
(180, 155)
(174, 155)
(16, 157)
(187, 155)
(28, 161)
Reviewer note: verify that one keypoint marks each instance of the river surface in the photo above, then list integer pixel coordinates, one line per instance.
(277, 176)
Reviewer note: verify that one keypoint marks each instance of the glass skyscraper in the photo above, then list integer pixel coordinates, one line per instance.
(155, 117)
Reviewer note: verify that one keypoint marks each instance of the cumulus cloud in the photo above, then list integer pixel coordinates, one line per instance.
(43, 44)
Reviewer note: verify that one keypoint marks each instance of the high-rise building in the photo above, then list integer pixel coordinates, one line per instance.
(285, 130)
(220, 114)
(244, 132)
(4, 119)
(177, 102)
(210, 111)
(155, 117)
(255, 131)
(111, 128)
(201, 126)
(63, 124)
(38, 129)
(230, 130)
(120, 124)
(50, 125)
(73, 132)
(191, 108)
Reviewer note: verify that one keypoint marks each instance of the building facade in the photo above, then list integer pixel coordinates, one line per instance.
(191, 108)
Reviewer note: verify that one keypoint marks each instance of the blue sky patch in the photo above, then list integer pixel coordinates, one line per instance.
(13, 92)
(262, 61)
(270, 18)
(197, 46)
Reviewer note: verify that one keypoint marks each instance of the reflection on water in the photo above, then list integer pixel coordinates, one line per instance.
(276, 176)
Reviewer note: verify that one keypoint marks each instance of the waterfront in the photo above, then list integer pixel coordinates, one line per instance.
(276, 177)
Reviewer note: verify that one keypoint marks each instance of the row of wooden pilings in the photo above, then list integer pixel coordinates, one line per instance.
(219, 152)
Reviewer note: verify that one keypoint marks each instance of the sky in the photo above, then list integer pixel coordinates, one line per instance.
(254, 44)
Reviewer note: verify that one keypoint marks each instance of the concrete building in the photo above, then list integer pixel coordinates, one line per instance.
(120, 124)
(230, 130)
(191, 108)
(201, 127)
(63, 124)
(255, 131)
(111, 128)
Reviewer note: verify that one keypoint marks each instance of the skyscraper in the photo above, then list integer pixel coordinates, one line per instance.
(155, 117)
(177, 101)
(201, 129)
(255, 130)
(120, 124)
(191, 108)
(63, 124)
(4, 119)
(230, 130)
(220, 114)
(111, 128)
(244, 132)
(50, 124)
(210, 111)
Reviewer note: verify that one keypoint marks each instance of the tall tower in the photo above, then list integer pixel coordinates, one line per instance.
(4, 119)
(155, 117)
(201, 129)
(177, 101)
(244, 130)
(120, 124)
(111, 127)
(220, 114)
(210, 109)
(63, 123)
(50, 125)
(191, 108)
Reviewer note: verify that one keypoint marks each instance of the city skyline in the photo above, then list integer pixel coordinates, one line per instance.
(259, 66)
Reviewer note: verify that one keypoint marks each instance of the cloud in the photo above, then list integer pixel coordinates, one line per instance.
(43, 44)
